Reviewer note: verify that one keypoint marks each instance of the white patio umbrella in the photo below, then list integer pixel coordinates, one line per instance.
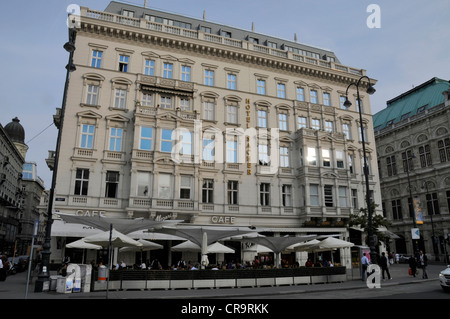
(83, 245)
(331, 243)
(303, 246)
(113, 238)
(146, 246)
(215, 248)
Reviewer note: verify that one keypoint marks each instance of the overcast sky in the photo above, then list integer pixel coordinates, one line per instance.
(411, 46)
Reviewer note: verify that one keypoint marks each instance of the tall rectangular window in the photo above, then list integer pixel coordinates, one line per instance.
(407, 161)
(341, 102)
(350, 164)
(120, 98)
(300, 94)
(346, 130)
(112, 184)
(328, 195)
(145, 140)
(232, 151)
(262, 118)
(231, 81)
(432, 204)
(149, 68)
(396, 209)
(209, 77)
(263, 154)
(315, 124)
(261, 87)
(339, 159)
(425, 156)
(165, 186)
(282, 122)
(355, 199)
(185, 104)
(313, 96)
(96, 61)
(301, 121)
(342, 196)
(326, 99)
(186, 143)
(232, 114)
(123, 63)
(143, 184)
(208, 191)
(166, 102)
(167, 70)
(284, 157)
(115, 139)
(208, 111)
(185, 73)
(286, 194)
(326, 158)
(314, 195)
(185, 187)
(81, 182)
(166, 141)
(92, 94)
(444, 150)
(281, 90)
(391, 165)
(264, 194)
(329, 126)
(208, 149)
(232, 192)
(312, 157)
(87, 136)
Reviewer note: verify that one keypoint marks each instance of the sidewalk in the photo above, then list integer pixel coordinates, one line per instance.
(15, 288)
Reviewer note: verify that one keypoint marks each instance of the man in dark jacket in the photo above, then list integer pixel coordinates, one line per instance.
(413, 265)
(384, 265)
(423, 262)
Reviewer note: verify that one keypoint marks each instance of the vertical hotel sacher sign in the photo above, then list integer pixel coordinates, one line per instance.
(247, 138)
(418, 211)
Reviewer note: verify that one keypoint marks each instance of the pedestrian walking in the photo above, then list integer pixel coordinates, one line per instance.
(384, 266)
(412, 266)
(397, 258)
(364, 265)
(423, 262)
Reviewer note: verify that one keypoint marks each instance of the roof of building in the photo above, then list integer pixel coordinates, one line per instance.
(421, 98)
(15, 131)
(116, 7)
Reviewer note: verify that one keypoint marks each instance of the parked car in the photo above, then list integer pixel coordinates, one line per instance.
(444, 279)
(403, 259)
(20, 262)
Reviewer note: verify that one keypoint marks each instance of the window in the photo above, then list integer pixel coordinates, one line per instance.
(166, 102)
(346, 130)
(272, 45)
(209, 77)
(143, 184)
(444, 150)
(185, 187)
(341, 102)
(96, 61)
(185, 104)
(355, 198)
(146, 138)
(123, 63)
(92, 94)
(149, 68)
(407, 161)
(128, 13)
(205, 29)
(208, 191)
(301, 121)
(326, 99)
(262, 118)
(185, 73)
(167, 70)
(300, 94)
(391, 165)
(261, 87)
(326, 158)
(284, 157)
(166, 141)
(314, 195)
(120, 98)
(208, 150)
(232, 192)
(112, 184)
(165, 186)
(339, 159)
(432, 204)
(281, 90)
(87, 136)
(263, 154)
(425, 156)
(315, 124)
(232, 114)
(342, 196)
(231, 81)
(147, 99)
(361, 130)
(208, 109)
(312, 157)
(328, 195)
(329, 126)
(186, 143)
(225, 34)
(115, 139)
(264, 194)
(350, 164)
(253, 40)
(282, 122)
(27, 172)
(286, 194)
(232, 151)
(397, 209)
(360, 104)
(313, 96)
(81, 182)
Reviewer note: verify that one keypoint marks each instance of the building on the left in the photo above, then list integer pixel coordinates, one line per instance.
(20, 192)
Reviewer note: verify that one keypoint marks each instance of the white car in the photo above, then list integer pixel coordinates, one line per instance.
(444, 278)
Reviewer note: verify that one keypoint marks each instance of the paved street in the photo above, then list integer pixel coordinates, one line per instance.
(15, 286)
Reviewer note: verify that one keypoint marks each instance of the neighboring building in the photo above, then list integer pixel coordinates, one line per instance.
(143, 75)
(414, 129)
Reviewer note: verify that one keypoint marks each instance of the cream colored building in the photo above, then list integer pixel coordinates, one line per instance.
(261, 136)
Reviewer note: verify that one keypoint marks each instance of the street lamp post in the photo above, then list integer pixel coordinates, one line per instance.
(370, 90)
(436, 254)
(411, 202)
(44, 275)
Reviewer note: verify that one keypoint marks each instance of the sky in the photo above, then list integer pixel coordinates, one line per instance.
(409, 46)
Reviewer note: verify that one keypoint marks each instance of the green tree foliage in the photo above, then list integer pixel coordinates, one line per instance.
(360, 220)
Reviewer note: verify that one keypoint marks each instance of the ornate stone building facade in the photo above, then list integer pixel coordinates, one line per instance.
(413, 138)
(173, 117)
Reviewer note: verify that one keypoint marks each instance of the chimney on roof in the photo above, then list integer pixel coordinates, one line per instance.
(295, 37)
(204, 15)
(253, 26)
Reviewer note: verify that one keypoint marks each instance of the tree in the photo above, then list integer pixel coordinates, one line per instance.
(360, 219)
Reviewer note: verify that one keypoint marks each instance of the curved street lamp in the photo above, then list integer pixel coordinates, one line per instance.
(370, 90)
